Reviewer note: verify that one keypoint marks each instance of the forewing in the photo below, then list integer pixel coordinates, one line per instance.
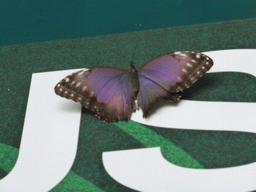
(104, 90)
(176, 71)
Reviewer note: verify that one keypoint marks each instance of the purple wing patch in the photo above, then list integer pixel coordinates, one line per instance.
(176, 71)
(151, 93)
(105, 91)
(166, 76)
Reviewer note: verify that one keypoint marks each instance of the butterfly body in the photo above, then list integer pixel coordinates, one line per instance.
(111, 92)
(134, 83)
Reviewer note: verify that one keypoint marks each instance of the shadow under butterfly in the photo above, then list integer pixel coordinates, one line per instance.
(111, 92)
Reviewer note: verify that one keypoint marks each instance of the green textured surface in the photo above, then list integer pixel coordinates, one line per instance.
(150, 138)
(206, 149)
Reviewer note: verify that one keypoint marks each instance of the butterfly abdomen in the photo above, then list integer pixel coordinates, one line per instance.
(134, 83)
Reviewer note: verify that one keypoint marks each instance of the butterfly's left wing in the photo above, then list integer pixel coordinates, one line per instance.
(166, 76)
(104, 90)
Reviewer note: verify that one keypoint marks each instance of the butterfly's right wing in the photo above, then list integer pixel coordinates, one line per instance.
(104, 90)
(151, 93)
(166, 76)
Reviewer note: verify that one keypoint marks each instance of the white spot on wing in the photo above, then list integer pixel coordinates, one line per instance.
(67, 79)
(178, 88)
(198, 55)
(78, 84)
(182, 54)
(84, 88)
(82, 72)
(72, 83)
(184, 70)
(189, 65)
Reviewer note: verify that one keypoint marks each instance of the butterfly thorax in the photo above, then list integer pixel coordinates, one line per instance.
(134, 84)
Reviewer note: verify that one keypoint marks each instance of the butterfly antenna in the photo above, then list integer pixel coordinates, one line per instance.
(119, 54)
(135, 49)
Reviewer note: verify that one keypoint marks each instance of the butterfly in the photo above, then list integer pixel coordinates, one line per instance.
(111, 92)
